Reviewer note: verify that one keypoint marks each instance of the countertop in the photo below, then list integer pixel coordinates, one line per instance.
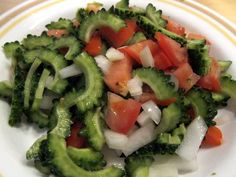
(223, 7)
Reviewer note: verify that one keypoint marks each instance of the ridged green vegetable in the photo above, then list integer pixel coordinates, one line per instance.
(228, 86)
(33, 41)
(137, 37)
(62, 23)
(6, 89)
(10, 48)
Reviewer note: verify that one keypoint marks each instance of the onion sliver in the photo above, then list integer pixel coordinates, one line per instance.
(102, 63)
(146, 57)
(135, 86)
(69, 71)
(143, 118)
(114, 55)
(139, 138)
(115, 140)
(152, 110)
(192, 140)
(163, 170)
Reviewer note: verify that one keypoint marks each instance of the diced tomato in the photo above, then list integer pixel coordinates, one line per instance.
(213, 137)
(119, 38)
(146, 96)
(134, 50)
(186, 77)
(118, 75)
(94, 46)
(57, 32)
(173, 50)
(122, 114)
(161, 61)
(212, 80)
(197, 36)
(174, 27)
(74, 139)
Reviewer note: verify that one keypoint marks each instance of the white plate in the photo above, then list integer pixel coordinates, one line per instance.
(15, 141)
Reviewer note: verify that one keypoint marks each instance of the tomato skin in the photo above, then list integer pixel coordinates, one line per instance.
(118, 75)
(161, 61)
(173, 50)
(174, 27)
(94, 46)
(119, 38)
(213, 137)
(211, 81)
(74, 139)
(134, 50)
(122, 114)
(57, 32)
(186, 77)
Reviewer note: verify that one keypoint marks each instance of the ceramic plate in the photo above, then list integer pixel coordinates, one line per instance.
(31, 17)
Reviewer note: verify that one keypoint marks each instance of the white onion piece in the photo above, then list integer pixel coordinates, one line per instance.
(143, 118)
(135, 86)
(114, 55)
(183, 166)
(175, 81)
(132, 130)
(115, 140)
(192, 140)
(163, 170)
(152, 110)
(139, 138)
(49, 81)
(146, 57)
(69, 71)
(47, 102)
(102, 63)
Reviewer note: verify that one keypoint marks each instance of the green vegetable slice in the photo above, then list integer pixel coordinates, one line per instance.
(39, 92)
(10, 48)
(55, 152)
(28, 84)
(33, 41)
(158, 81)
(6, 88)
(93, 130)
(95, 21)
(51, 58)
(62, 23)
(137, 37)
(224, 65)
(228, 86)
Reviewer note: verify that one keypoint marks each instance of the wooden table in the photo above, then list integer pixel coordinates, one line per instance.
(224, 7)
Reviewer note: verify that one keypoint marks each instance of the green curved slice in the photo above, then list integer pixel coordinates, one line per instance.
(6, 88)
(95, 21)
(33, 42)
(94, 85)
(61, 164)
(73, 45)
(40, 89)
(62, 23)
(60, 122)
(28, 81)
(93, 130)
(39, 118)
(158, 81)
(86, 158)
(49, 57)
(10, 48)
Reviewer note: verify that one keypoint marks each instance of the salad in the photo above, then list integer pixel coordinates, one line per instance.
(129, 80)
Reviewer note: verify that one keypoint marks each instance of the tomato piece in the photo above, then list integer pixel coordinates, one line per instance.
(74, 139)
(118, 75)
(119, 38)
(186, 77)
(211, 81)
(57, 32)
(174, 26)
(173, 50)
(213, 137)
(94, 46)
(161, 61)
(134, 50)
(122, 114)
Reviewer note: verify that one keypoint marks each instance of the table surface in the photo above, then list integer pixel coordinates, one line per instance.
(224, 7)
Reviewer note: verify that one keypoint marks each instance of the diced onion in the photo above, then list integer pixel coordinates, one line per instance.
(182, 165)
(139, 138)
(103, 63)
(69, 71)
(115, 140)
(192, 140)
(113, 54)
(47, 101)
(152, 110)
(49, 81)
(146, 57)
(135, 86)
(163, 170)
(143, 118)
